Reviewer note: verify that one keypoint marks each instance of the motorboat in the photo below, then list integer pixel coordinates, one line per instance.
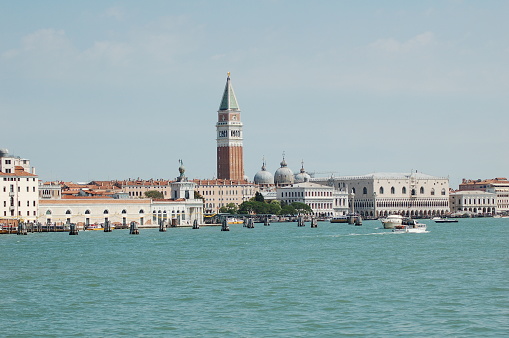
(234, 220)
(410, 226)
(391, 221)
(444, 220)
(339, 219)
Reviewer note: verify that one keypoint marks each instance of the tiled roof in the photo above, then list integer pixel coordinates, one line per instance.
(18, 171)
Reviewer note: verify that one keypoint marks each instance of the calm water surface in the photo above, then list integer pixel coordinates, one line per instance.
(279, 280)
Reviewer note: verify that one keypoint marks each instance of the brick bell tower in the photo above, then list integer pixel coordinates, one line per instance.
(230, 157)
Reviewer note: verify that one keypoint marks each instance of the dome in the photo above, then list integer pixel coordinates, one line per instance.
(263, 176)
(284, 175)
(302, 176)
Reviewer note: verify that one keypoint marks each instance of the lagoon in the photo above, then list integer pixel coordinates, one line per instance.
(280, 280)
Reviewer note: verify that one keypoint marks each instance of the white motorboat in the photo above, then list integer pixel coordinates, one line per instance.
(392, 221)
(411, 226)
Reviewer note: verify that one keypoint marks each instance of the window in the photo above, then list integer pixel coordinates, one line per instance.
(48, 212)
(393, 191)
(124, 211)
(443, 191)
(106, 212)
(403, 190)
(141, 211)
(432, 192)
(422, 190)
(87, 212)
(364, 190)
(68, 212)
(381, 190)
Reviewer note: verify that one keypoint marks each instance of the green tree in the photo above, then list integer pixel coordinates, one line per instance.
(273, 208)
(154, 194)
(230, 208)
(197, 196)
(302, 208)
(258, 197)
(254, 207)
(288, 210)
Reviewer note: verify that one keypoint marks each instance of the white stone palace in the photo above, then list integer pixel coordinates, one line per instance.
(380, 194)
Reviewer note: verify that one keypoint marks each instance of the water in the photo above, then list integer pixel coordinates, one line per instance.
(281, 280)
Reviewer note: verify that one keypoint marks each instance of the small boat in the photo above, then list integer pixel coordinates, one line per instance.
(339, 219)
(392, 221)
(95, 227)
(444, 220)
(410, 226)
(233, 220)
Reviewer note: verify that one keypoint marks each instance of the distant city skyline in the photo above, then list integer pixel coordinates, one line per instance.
(120, 89)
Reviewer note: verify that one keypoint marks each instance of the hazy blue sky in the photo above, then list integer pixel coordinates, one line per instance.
(123, 89)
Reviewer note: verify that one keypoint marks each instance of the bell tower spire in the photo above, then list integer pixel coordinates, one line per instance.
(230, 158)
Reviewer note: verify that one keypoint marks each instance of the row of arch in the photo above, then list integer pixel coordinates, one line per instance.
(403, 203)
(406, 213)
(413, 192)
(479, 210)
(87, 212)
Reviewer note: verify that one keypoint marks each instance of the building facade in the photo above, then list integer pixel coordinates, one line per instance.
(499, 186)
(182, 209)
(218, 193)
(381, 194)
(19, 188)
(230, 154)
(473, 202)
(325, 201)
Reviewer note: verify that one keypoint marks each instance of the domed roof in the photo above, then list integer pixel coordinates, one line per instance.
(303, 176)
(284, 175)
(263, 176)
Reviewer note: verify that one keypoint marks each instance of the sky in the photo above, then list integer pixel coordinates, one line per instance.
(102, 90)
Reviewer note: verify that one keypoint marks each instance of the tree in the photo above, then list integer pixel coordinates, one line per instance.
(258, 197)
(254, 207)
(154, 194)
(273, 208)
(288, 210)
(302, 208)
(197, 196)
(230, 208)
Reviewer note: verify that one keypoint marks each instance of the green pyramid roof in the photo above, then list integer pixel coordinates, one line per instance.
(229, 101)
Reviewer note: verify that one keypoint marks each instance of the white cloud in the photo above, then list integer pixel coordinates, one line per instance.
(114, 53)
(116, 13)
(415, 43)
(46, 40)
(152, 49)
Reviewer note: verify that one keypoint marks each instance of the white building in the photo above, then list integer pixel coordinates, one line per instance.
(474, 201)
(323, 200)
(19, 188)
(498, 185)
(380, 194)
(182, 210)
